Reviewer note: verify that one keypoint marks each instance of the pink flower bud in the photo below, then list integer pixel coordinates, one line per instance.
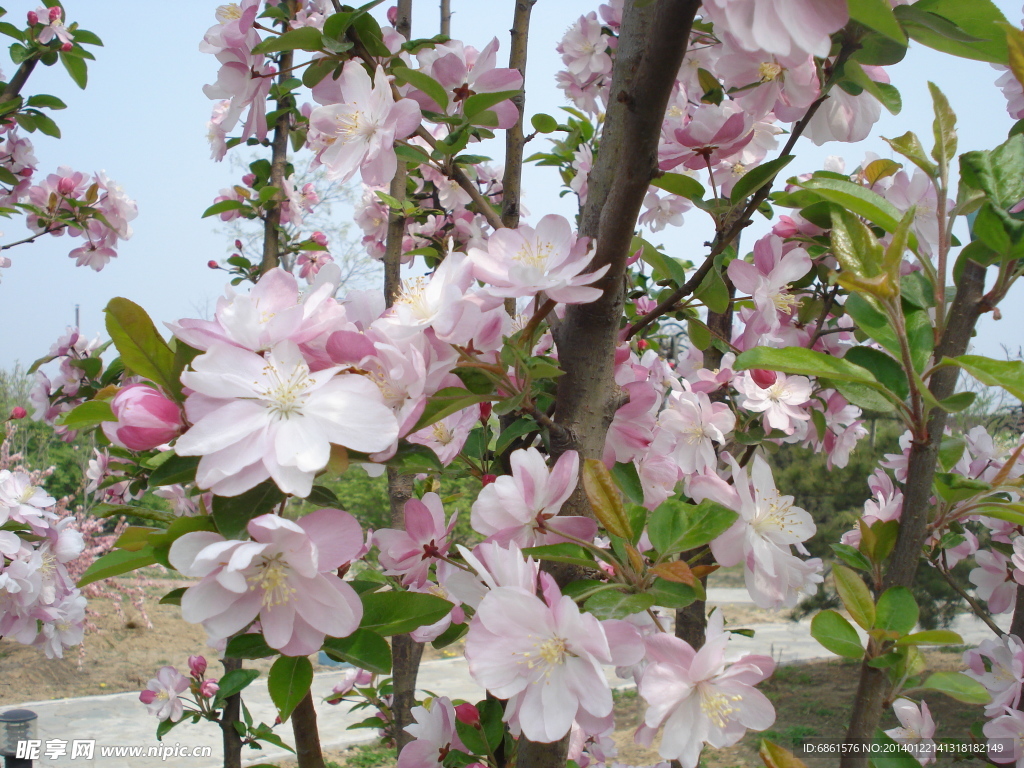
(319, 238)
(26, 172)
(212, 264)
(468, 713)
(67, 47)
(488, 479)
(54, 13)
(238, 244)
(17, 412)
(762, 378)
(33, 18)
(196, 664)
(485, 412)
(66, 185)
(147, 696)
(249, 179)
(393, 15)
(643, 344)
(146, 418)
(635, 257)
(208, 689)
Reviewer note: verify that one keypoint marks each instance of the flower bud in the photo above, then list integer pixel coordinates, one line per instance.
(392, 15)
(762, 378)
(33, 18)
(147, 696)
(468, 713)
(54, 12)
(197, 665)
(66, 185)
(146, 418)
(319, 238)
(67, 47)
(485, 412)
(249, 179)
(17, 412)
(488, 479)
(212, 264)
(208, 689)
(26, 172)
(238, 244)
(643, 344)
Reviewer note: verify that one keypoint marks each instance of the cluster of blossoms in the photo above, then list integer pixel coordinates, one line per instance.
(162, 695)
(39, 602)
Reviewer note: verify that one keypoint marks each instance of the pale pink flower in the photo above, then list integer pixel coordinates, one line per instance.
(1012, 90)
(286, 577)
(998, 665)
(662, 211)
(697, 699)
(447, 436)
(522, 507)
(783, 88)
(256, 417)
(411, 552)
(352, 677)
(916, 729)
(524, 261)
(789, 29)
(991, 580)
(713, 133)
(767, 280)
(1006, 730)
(496, 566)
(544, 657)
(310, 262)
(780, 402)
(584, 48)
(434, 732)
(161, 694)
(359, 134)
(844, 117)
(145, 418)
(697, 424)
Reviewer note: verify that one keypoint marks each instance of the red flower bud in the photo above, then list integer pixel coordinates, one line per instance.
(66, 185)
(212, 264)
(67, 47)
(238, 244)
(643, 344)
(26, 172)
(485, 412)
(17, 412)
(468, 713)
(54, 13)
(33, 18)
(393, 15)
(762, 378)
(488, 479)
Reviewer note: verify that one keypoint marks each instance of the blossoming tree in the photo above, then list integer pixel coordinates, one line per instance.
(614, 475)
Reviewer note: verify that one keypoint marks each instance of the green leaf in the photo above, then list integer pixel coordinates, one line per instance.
(628, 479)
(290, 676)
(877, 15)
(173, 597)
(612, 604)
(676, 527)
(680, 184)
(1008, 374)
(543, 123)
(364, 649)
(516, 429)
(673, 595)
(481, 102)
(605, 500)
(931, 637)
(857, 199)
(888, 371)
(866, 396)
(951, 450)
(891, 754)
(445, 402)
(861, 257)
(223, 206)
(961, 401)
(805, 362)
(855, 595)
(88, 414)
(713, 292)
(85, 37)
(980, 19)
(303, 38)
(423, 82)
(565, 552)
(910, 147)
(958, 686)
(943, 127)
(896, 610)
(397, 613)
(233, 513)
(77, 68)
(236, 681)
(885, 93)
(665, 267)
(250, 645)
(411, 458)
(115, 563)
(851, 556)
(322, 496)
(836, 634)
(756, 177)
(176, 469)
(1012, 513)
(878, 50)
(143, 351)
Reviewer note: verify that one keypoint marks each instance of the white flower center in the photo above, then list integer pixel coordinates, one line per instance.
(785, 302)
(229, 12)
(27, 494)
(414, 296)
(716, 705)
(285, 395)
(773, 514)
(695, 433)
(769, 71)
(442, 434)
(272, 578)
(355, 125)
(535, 256)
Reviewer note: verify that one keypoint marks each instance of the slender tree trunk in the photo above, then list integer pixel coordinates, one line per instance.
(446, 18)
(230, 739)
(278, 163)
(652, 43)
(873, 687)
(307, 737)
(511, 182)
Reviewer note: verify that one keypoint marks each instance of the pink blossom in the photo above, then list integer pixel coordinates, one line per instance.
(1006, 730)
(434, 732)
(697, 698)
(447, 436)
(662, 211)
(767, 280)
(992, 582)
(844, 117)
(310, 262)
(545, 657)
(286, 577)
(360, 133)
(145, 418)
(916, 729)
(496, 566)
(999, 666)
(782, 88)
(523, 507)
(789, 29)
(780, 402)
(713, 133)
(353, 676)
(411, 552)
(584, 48)
(524, 261)
(161, 694)
(1012, 90)
(197, 666)
(698, 424)
(254, 417)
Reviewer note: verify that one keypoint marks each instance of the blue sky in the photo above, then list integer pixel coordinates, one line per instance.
(143, 120)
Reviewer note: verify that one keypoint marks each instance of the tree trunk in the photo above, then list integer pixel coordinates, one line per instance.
(307, 736)
(232, 712)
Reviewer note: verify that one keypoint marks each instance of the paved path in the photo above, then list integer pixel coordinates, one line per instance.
(120, 719)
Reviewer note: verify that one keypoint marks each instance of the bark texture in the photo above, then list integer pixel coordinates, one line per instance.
(278, 164)
(307, 739)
